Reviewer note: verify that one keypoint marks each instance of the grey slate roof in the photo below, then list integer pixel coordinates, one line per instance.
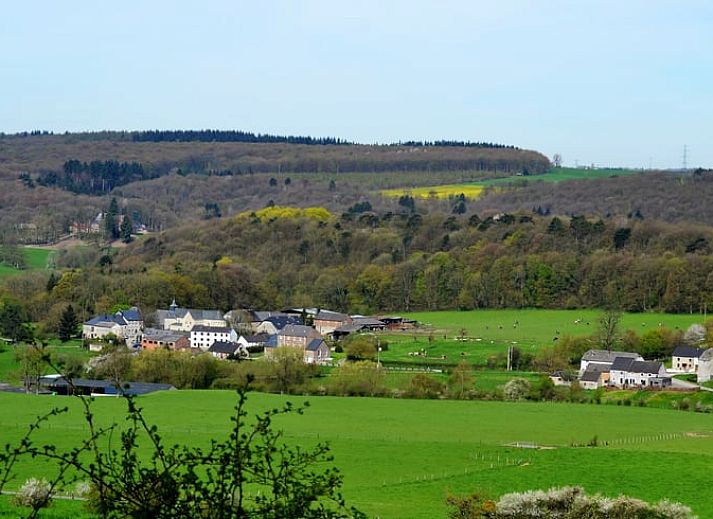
(198, 314)
(212, 329)
(315, 344)
(280, 321)
(645, 366)
(590, 375)
(106, 320)
(622, 364)
(328, 315)
(297, 330)
(258, 338)
(271, 341)
(264, 316)
(156, 334)
(226, 347)
(127, 388)
(688, 351)
(607, 356)
(132, 314)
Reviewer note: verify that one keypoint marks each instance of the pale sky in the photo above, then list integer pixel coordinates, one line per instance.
(609, 82)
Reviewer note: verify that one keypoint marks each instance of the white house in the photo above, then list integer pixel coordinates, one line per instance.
(603, 359)
(685, 359)
(626, 372)
(203, 337)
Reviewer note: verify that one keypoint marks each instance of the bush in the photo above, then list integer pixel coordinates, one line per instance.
(573, 503)
(516, 389)
(35, 494)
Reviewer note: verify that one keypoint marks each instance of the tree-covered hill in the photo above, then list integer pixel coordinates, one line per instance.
(45, 153)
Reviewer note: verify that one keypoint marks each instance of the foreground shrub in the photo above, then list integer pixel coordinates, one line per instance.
(563, 503)
(35, 494)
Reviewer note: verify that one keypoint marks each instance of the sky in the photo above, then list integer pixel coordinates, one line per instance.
(608, 82)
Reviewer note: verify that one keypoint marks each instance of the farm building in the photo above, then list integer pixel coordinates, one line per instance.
(627, 372)
(594, 377)
(685, 359)
(604, 358)
(59, 385)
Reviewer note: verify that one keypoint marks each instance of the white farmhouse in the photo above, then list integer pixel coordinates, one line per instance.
(603, 359)
(685, 359)
(626, 373)
(203, 337)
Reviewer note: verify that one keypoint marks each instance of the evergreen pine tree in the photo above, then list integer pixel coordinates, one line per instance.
(52, 281)
(126, 229)
(67, 324)
(110, 227)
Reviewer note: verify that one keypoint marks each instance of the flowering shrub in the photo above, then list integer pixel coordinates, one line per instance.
(35, 494)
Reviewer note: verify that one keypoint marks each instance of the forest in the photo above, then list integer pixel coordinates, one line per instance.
(226, 236)
(370, 263)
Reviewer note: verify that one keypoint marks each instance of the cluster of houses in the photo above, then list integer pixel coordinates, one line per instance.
(303, 329)
(622, 369)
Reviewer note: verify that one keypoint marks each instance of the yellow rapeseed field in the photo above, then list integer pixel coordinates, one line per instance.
(446, 191)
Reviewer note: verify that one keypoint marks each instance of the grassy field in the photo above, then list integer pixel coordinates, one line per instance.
(37, 259)
(474, 189)
(8, 363)
(489, 333)
(401, 457)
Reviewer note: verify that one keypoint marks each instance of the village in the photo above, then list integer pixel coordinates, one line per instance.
(246, 334)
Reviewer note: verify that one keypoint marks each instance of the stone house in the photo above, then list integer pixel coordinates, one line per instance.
(685, 359)
(184, 319)
(125, 324)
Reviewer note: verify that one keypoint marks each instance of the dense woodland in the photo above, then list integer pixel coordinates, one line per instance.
(364, 262)
(223, 238)
(669, 197)
(48, 182)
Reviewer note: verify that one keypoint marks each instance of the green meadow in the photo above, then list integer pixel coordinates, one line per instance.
(37, 259)
(449, 337)
(400, 458)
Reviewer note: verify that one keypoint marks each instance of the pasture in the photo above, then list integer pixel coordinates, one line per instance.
(37, 259)
(9, 367)
(482, 336)
(400, 458)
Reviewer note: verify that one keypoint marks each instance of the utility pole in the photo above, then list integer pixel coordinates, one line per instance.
(685, 158)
